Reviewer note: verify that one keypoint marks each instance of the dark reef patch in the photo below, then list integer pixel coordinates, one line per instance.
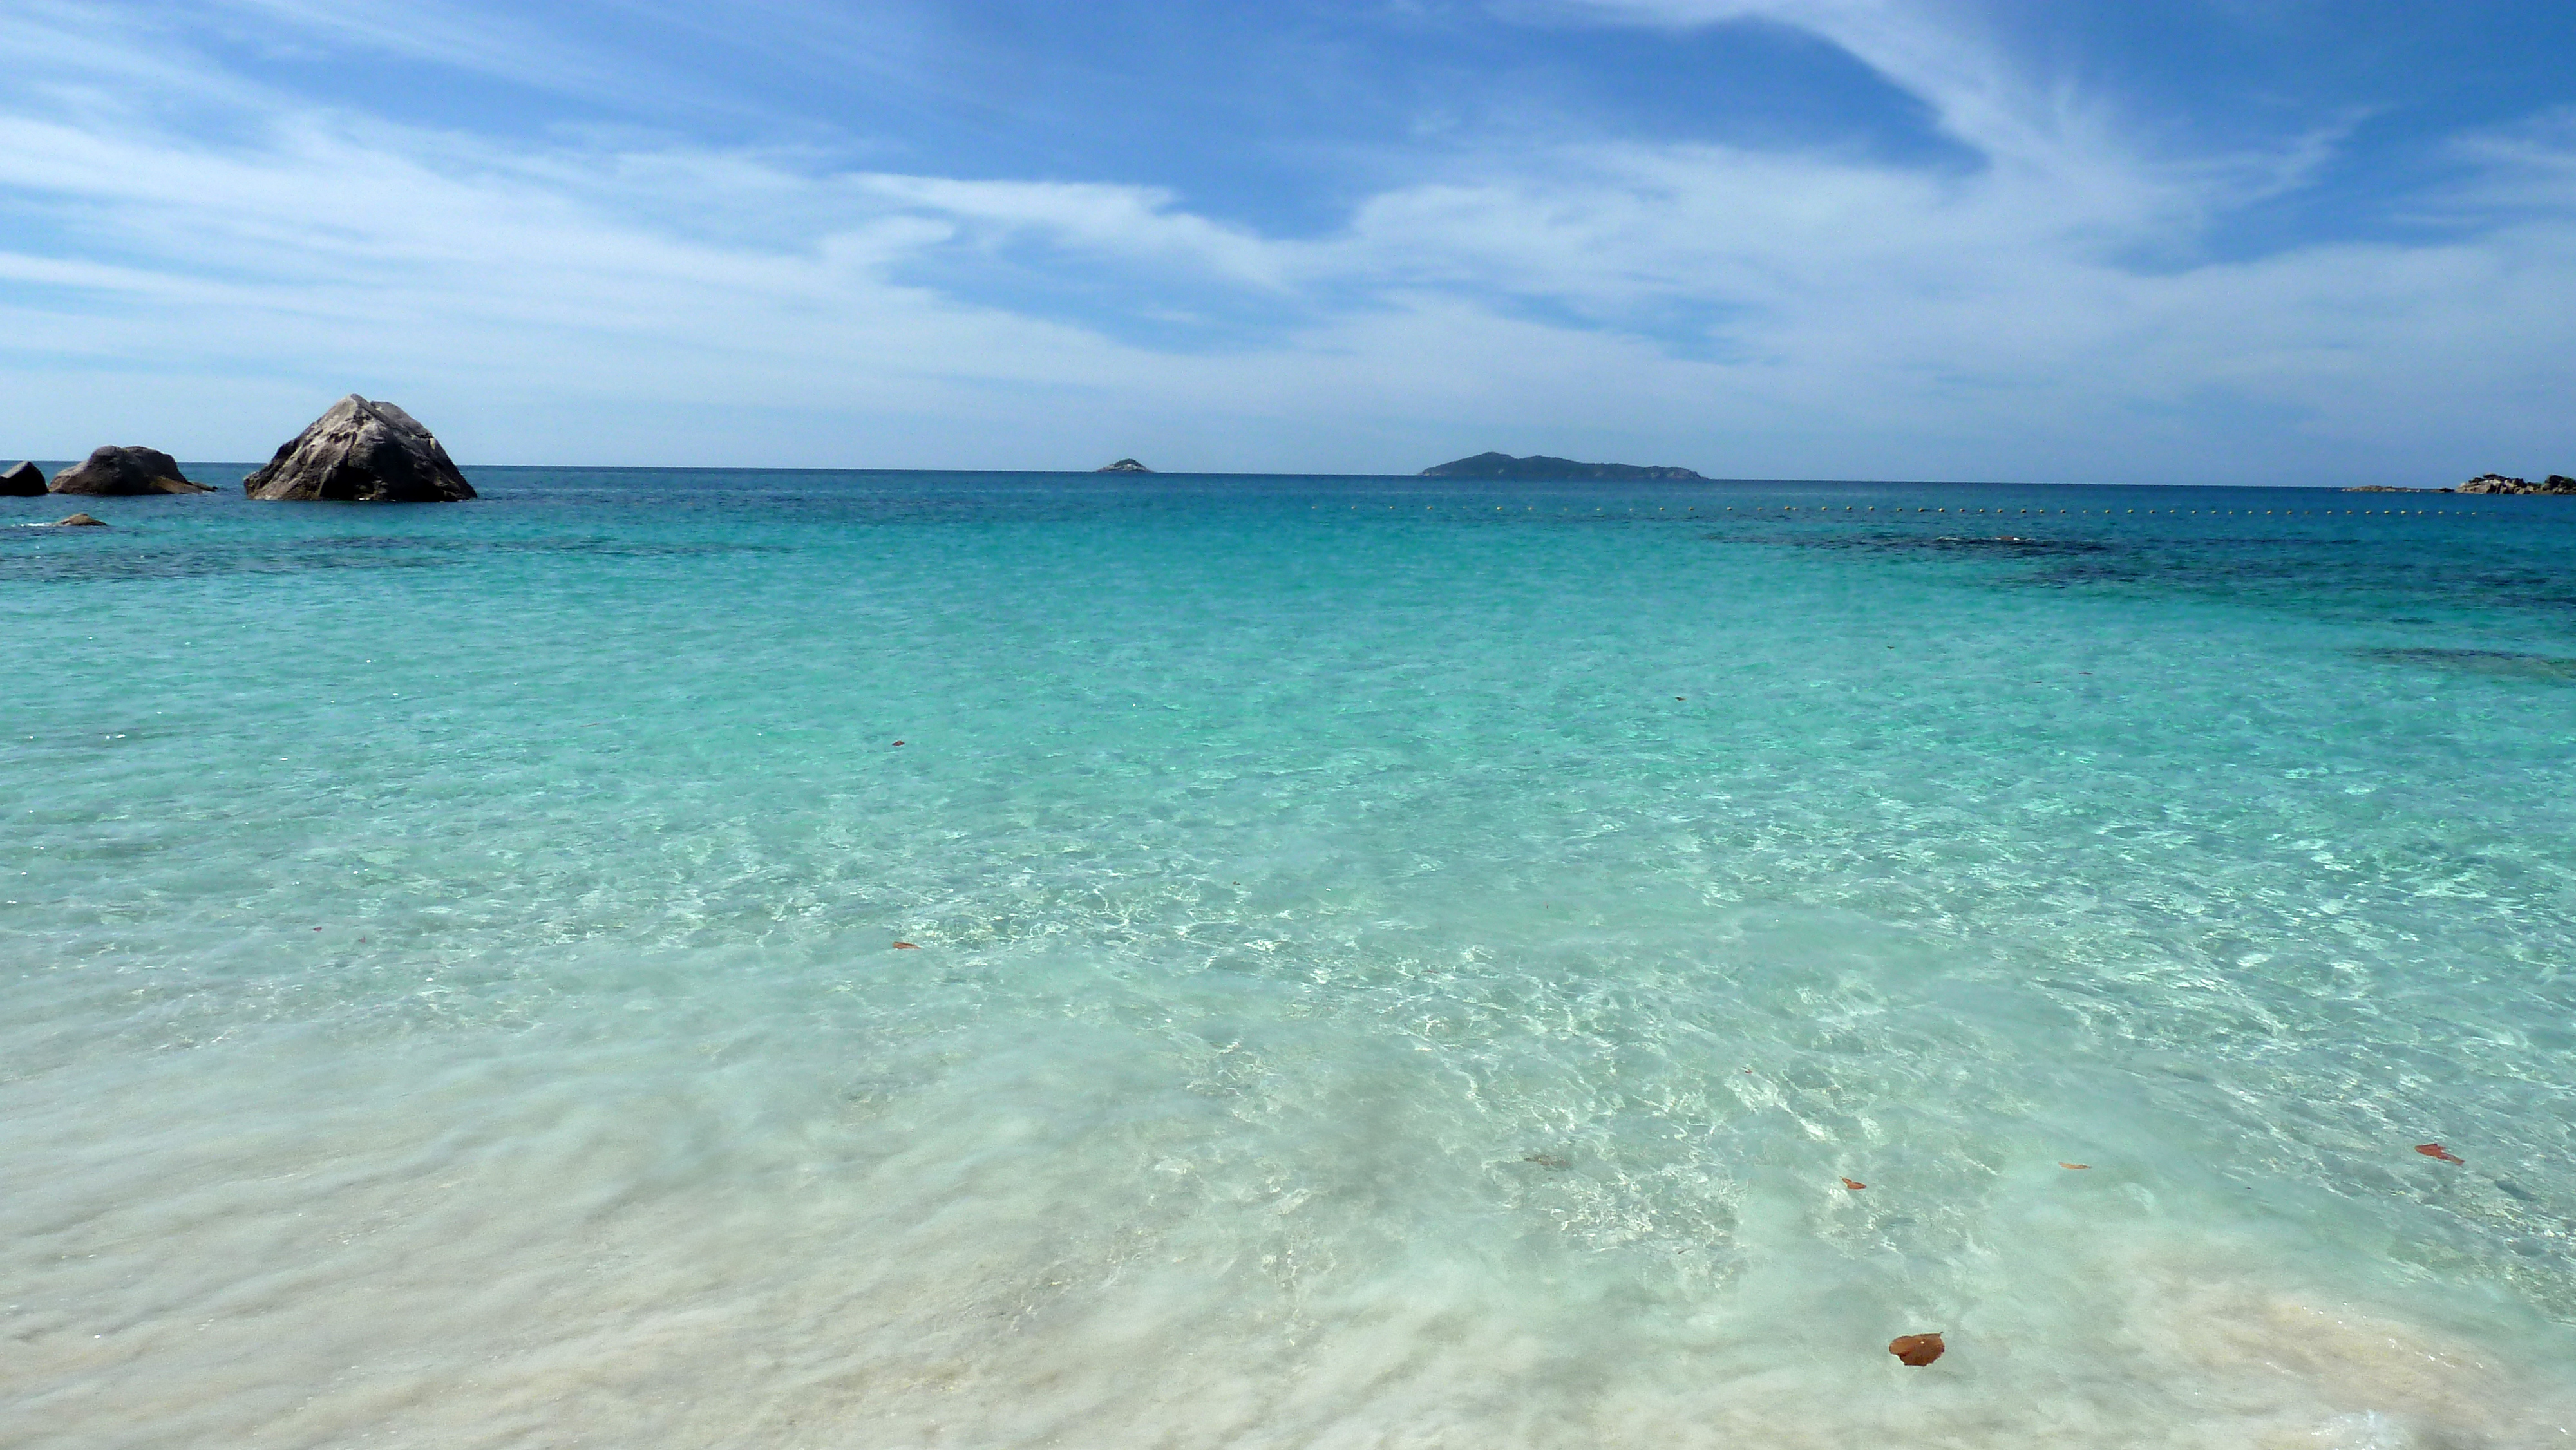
(2005, 546)
(2508, 664)
(199, 560)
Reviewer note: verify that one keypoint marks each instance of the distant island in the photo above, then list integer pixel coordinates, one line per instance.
(1123, 465)
(1539, 465)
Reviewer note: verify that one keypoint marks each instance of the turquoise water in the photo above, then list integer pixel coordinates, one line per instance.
(1395, 964)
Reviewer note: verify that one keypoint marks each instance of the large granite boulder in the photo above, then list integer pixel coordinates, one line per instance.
(126, 471)
(2498, 483)
(24, 481)
(361, 452)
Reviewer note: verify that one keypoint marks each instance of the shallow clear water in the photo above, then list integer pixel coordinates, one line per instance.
(1396, 964)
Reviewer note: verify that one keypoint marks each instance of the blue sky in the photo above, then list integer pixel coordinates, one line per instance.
(2203, 241)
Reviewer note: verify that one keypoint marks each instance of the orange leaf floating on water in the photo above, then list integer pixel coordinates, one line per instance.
(1854, 1184)
(905, 946)
(1917, 1350)
(2436, 1150)
(2075, 1165)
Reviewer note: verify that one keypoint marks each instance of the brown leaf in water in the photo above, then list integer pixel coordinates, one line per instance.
(1854, 1184)
(2436, 1150)
(1917, 1350)
(905, 946)
(2078, 1166)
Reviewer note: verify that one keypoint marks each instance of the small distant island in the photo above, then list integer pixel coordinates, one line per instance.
(1539, 465)
(1123, 465)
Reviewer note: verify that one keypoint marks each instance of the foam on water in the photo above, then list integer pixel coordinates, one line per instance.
(1396, 965)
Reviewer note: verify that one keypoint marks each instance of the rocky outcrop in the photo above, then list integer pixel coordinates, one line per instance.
(1123, 465)
(361, 452)
(24, 481)
(117, 471)
(78, 521)
(2498, 483)
(1539, 465)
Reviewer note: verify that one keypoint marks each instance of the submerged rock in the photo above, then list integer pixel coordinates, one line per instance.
(24, 481)
(78, 521)
(361, 452)
(117, 471)
(1916, 1350)
(1123, 465)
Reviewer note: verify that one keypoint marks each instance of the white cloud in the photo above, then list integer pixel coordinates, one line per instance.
(1939, 52)
(1128, 222)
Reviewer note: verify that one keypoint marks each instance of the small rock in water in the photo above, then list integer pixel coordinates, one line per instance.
(122, 471)
(79, 521)
(361, 452)
(25, 480)
(1917, 1350)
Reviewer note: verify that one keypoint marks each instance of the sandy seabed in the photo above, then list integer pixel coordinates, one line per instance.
(1084, 1241)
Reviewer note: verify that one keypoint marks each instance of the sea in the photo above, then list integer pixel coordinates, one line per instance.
(838, 959)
